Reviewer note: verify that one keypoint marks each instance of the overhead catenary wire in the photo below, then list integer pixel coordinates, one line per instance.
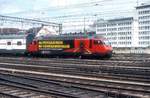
(86, 14)
(17, 19)
(80, 5)
(109, 13)
(76, 17)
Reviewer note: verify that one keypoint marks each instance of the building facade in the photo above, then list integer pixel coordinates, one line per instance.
(144, 25)
(119, 32)
(129, 31)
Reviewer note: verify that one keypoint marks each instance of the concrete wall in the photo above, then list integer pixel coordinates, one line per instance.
(132, 50)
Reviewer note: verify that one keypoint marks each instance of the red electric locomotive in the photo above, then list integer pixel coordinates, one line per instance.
(79, 45)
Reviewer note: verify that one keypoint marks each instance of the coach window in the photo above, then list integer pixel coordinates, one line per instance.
(8, 43)
(19, 43)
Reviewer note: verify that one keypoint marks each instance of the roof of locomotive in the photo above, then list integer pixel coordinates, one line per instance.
(98, 37)
(61, 37)
(69, 37)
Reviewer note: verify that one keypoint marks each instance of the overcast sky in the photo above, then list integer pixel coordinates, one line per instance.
(49, 8)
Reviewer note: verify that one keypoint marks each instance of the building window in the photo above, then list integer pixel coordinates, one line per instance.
(19, 43)
(144, 12)
(8, 43)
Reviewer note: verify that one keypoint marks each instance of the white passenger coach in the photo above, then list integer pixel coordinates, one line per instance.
(12, 43)
(15, 42)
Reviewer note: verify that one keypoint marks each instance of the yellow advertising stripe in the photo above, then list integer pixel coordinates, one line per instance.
(51, 42)
(54, 46)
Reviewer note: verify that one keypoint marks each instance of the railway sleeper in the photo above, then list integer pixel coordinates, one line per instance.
(103, 88)
(14, 92)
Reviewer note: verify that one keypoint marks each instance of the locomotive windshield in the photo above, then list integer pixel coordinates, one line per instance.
(98, 42)
(106, 42)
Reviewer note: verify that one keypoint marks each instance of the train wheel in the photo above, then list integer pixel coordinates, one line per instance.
(27, 54)
(109, 55)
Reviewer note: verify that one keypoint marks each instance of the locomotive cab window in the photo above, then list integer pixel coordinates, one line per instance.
(98, 42)
(33, 43)
(19, 43)
(8, 43)
(106, 42)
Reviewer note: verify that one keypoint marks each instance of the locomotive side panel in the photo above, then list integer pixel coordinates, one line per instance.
(78, 46)
(82, 46)
(93, 46)
(55, 46)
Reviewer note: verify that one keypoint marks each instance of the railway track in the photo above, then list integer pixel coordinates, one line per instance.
(112, 88)
(67, 90)
(9, 91)
(72, 71)
(106, 77)
(96, 69)
(24, 89)
(39, 61)
(120, 57)
(90, 66)
(124, 72)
